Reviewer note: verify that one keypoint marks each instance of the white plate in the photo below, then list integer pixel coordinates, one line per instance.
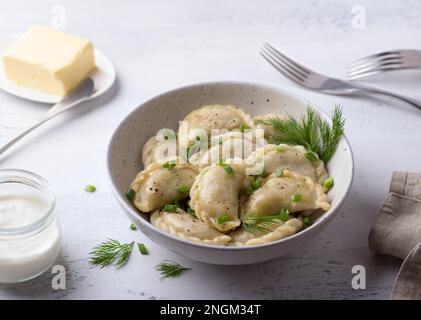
(103, 76)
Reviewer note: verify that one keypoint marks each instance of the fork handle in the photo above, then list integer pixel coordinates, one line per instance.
(371, 90)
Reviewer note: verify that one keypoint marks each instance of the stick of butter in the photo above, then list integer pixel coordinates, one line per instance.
(48, 60)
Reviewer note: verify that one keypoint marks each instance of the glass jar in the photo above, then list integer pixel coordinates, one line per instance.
(29, 229)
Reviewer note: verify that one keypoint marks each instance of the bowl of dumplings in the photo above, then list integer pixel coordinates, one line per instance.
(230, 173)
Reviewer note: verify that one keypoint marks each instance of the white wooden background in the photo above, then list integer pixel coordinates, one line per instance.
(159, 45)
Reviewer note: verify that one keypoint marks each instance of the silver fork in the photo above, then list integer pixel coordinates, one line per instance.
(384, 61)
(318, 82)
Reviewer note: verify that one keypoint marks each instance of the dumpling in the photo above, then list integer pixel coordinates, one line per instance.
(280, 230)
(214, 195)
(274, 157)
(290, 191)
(200, 122)
(159, 150)
(269, 131)
(157, 185)
(182, 224)
(232, 144)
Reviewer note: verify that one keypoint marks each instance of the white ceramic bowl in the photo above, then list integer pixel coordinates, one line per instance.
(164, 111)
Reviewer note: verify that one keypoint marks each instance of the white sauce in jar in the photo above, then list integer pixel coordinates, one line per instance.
(29, 232)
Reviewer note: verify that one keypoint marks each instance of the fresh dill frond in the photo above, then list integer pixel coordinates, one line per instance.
(330, 135)
(311, 132)
(170, 269)
(111, 252)
(253, 223)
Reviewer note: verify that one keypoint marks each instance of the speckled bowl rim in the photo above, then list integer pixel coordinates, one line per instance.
(134, 213)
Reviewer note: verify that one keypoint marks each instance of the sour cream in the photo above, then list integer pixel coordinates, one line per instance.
(29, 231)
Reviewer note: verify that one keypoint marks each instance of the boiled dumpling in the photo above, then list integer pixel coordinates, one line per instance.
(290, 191)
(232, 144)
(184, 225)
(214, 195)
(160, 150)
(271, 158)
(157, 185)
(199, 123)
(278, 231)
(269, 131)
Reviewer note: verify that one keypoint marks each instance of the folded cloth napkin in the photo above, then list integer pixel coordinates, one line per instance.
(397, 232)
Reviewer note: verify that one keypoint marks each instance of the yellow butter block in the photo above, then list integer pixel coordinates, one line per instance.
(48, 60)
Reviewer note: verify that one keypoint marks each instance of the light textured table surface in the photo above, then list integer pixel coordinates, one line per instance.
(159, 45)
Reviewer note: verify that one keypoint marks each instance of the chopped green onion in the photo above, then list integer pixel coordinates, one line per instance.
(192, 212)
(220, 162)
(170, 208)
(176, 202)
(204, 171)
(142, 249)
(229, 170)
(312, 156)
(261, 174)
(307, 221)
(198, 138)
(255, 184)
(297, 197)
(133, 227)
(222, 218)
(169, 165)
(244, 127)
(281, 149)
(328, 183)
(90, 188)
(279, 173)
(183, 189)
(248, 191)
(130, 195)
(284, 215)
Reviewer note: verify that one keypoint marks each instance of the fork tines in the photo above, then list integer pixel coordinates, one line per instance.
(289, 68)
(383, 61)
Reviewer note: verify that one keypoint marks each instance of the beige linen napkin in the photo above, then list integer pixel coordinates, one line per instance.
(397, 232)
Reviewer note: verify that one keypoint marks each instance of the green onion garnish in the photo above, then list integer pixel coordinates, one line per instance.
(183, 189)
(170, 208)
(133, 227)
(280, 149)
(284, 215)
(228, 169)
(248, 191)
(192, 212)
(169, 165)
(297, 197)
(307, 221)
(90, 188)
(279, 173)
(142, 249)
(328, 183)
(130, 195)
(222, 218)
(244, 127)
(255, 184)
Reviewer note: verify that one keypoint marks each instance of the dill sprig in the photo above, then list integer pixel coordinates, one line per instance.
(311, 132)
(254, 224)
(330, 135)
(111, 252)
(170, 269)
